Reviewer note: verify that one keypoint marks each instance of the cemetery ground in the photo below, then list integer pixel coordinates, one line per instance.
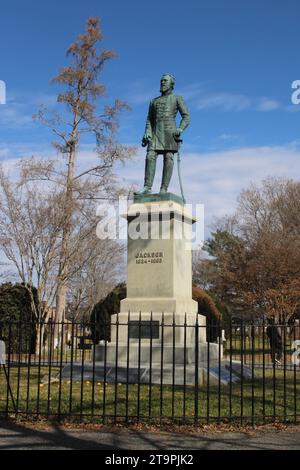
(271, 396)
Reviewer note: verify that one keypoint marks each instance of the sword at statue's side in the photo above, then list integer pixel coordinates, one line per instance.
(178, 169)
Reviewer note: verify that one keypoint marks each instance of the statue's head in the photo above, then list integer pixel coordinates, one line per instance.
(167, 82)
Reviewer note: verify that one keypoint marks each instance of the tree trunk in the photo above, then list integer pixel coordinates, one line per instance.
(39, 338)
(62, 278)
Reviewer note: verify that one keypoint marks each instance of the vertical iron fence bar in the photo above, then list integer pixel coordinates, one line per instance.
(93, 327)
(9, 345)
(219, 371)
(105, 369)
(184, 368)
(71, 367)
(208, 380)
(39, 365)
(235, 337)
(259, 339)
(116, 369)
(33, 359)
(274, 377)
(252, 333)
(127, 367)
(139, 368)
(57, 342)
(20, 331)
(196, 397)
(64, 355)
(230, 371)
(295, 374)
(76, 342)
(284, 371)
(51, 339)
(28, 371)
(173, 368)
(161, 368)
(7, 370)
(44, 344)
(242, 369)
(9, 388)
(82, 333)
(2, 371)
(61, 338)
(150, 365)
(264, 369)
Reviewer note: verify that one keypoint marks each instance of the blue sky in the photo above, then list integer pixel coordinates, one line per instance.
(234, 63)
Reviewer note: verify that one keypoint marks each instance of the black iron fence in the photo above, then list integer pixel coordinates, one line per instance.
(157, 370)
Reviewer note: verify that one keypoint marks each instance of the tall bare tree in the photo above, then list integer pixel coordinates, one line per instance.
(254, 263)
(97, 268)
(30, 225)
(82, 91)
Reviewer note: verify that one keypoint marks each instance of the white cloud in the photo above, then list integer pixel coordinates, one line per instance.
(224, 101)
(141, 93)
(192, 90)
(266, 104)
(14, 116)
(205, 99)
(20, 150)
(236, 102)
(3, 153)
(228, 136)
(216, 179)
(45, 99)
(18, 110)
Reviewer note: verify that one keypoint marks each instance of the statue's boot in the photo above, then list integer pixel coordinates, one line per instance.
(144, 190)
(167, 173)
(149, 176)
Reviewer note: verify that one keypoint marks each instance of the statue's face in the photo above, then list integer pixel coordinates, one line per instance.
(165, 84)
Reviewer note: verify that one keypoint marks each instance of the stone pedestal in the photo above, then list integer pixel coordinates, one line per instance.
(159, 318)
(159, 264)
(159, 273)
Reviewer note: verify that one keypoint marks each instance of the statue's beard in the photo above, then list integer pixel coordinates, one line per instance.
(163, 89)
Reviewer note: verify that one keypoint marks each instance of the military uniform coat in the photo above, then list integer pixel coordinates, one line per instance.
(161, 122)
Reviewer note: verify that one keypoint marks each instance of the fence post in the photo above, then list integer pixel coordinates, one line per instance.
(196, 410)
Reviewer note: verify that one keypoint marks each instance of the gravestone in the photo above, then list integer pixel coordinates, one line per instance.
(2, 353)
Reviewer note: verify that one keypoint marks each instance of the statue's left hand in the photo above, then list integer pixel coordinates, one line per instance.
(177, 133)
(146, 139)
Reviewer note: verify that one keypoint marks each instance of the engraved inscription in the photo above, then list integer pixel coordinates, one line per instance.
(143, 329)
(145, 257)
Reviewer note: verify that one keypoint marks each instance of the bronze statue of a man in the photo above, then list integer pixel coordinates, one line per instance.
(162, 136)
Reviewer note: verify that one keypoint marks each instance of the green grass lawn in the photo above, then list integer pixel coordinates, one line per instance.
(273, 397)
(257, 350)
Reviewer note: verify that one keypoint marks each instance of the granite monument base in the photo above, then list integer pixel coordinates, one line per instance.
(225, 372)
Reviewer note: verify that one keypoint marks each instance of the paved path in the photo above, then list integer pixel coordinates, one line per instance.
(17, 437)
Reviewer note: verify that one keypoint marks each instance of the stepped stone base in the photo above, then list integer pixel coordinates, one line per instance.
(179, 375)
(167, 327)
(141, 354)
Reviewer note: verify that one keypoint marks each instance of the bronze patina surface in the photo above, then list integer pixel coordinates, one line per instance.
(162, 136)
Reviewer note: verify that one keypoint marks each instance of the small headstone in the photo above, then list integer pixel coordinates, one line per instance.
(53, 380)
(2, 353)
